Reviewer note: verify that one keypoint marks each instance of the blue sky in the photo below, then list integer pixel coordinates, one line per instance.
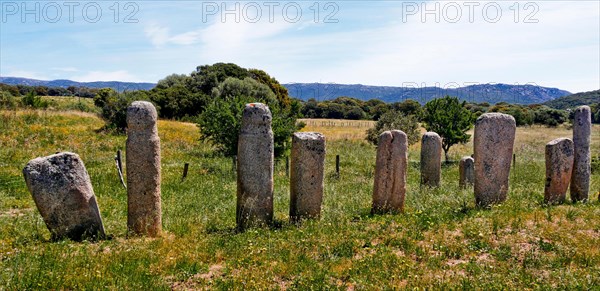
(392, 43)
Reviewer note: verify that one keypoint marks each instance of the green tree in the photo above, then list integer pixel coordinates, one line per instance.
(175, 100)
(207, 77)
(449, 118)
(310, 109)
(395, 120)
(280, 92)
(409, 107)
(220, 121)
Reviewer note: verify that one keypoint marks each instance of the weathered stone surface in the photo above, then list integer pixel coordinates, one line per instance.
(431, 159)
(582, 130)
(390, 172)
(63, 193)
(255, 167)
(493, 150)
(559, 165)
(306, 175)
(144, 215)
(466, 169)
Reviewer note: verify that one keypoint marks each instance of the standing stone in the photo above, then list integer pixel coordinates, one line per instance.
(306, 176)
(63, 193)
(467, 172)
(431, 159)
(255, 167)
(390, 172)
(559, 165)
(493, 145)
(582, 164)
(144, 216)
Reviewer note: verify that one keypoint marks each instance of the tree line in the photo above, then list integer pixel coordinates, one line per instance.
(214, 96)
(351, 108)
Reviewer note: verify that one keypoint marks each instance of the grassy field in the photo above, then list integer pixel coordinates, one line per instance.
(442, 241)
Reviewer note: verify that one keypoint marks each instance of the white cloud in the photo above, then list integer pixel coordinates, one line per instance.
(65, 69)
(562, 46)
(369, 45)
(121, 75)
(158, 35)
(25, 74)
(218, 37)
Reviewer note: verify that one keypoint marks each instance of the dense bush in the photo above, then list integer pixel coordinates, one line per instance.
(547, 116)
(395, 120)
(7, 100)
(596, 165)
(32, 100)
(478, 108)
(221, 120)
(409, 107)
(175, 100)
(523, 115)
(595, 112)
(113, 107)
(22, 90)
(352, 108)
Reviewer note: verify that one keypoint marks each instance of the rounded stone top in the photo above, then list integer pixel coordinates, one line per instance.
(431, 134)
(467, 158)
(62, 157)
(397, 132)
(309, 135)
(496, 116)
(256, 114)
(560, 140)
(583, 108)
(392, 135)
(141, 114)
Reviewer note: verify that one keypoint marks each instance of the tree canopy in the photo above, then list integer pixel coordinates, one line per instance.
(449, 118)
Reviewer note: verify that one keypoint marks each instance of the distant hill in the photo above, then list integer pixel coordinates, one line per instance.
(491, 93)
(574, 100)
(118, 86)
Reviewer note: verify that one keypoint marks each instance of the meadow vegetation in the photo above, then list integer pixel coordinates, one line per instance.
(441, 241)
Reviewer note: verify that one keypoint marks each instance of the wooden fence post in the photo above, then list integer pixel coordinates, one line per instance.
(185, 171)
(119, 165)
(337, 166)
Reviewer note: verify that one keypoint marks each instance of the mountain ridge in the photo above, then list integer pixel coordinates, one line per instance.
(490, 93)
(64, 83)
(575, 100)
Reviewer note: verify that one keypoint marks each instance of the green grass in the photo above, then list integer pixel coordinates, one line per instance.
(442, 241)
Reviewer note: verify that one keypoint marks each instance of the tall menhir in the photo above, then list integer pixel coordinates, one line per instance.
(582, 130)
(255, 167)
(144, 215)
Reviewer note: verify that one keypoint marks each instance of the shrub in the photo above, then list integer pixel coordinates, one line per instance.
(113, 107)
(550, 117)
(220, 122)
(595, 164)
(395, 120)
(32, 100)
(7, 100)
